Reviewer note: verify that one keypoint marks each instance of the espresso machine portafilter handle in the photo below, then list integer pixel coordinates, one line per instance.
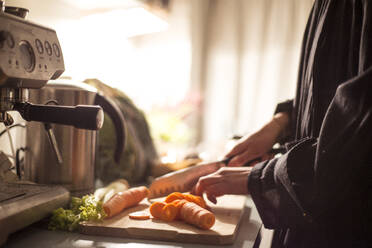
(80, 116)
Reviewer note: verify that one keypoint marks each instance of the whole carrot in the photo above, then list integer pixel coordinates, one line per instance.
(125, 199)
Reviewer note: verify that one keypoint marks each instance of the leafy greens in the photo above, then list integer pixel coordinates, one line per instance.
(87, 208)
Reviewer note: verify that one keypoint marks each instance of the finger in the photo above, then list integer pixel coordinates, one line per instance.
(239, 148)
(264, 157)
(193, 190)
(232, 170)
(241, 159)
(212, 199)
(204, 182)
(235, 162)
(216, 190)
(198, 190)
(236, 150)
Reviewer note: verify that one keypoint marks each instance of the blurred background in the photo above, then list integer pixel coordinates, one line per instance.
(202, 71)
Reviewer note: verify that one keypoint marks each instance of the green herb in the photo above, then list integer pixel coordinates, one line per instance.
(86, 208)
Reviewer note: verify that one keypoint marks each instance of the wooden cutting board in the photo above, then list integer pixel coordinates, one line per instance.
(228, 212)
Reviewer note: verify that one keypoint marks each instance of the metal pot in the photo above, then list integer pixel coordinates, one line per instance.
(65, 155)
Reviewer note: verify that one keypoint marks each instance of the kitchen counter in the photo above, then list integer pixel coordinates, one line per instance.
(34, 236)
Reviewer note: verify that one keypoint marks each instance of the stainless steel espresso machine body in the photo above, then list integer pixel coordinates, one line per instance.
(60, 154)
(65, 155)
(30, 56)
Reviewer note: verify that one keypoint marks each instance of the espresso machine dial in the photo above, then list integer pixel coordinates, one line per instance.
(27, 56)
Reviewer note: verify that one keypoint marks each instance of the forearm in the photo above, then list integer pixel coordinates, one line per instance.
(281, 121)
(277, 126)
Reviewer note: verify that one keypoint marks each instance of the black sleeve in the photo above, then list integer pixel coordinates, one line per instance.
(319, 175)
(286, 107)
(345, 142)
(273, 186)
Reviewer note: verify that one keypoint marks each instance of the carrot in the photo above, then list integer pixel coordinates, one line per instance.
(164, 211)
(185, 210)
(195, 199)
(178, 204)
(194, 214)
(174, 196)
(125, 199)
(169, 212)
(156, 209)
(189, 197)
(139, 215)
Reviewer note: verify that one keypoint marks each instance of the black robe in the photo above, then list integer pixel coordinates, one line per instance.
(318, 194)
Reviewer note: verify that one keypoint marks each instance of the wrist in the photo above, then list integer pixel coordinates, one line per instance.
(280, 123)
(282, 120)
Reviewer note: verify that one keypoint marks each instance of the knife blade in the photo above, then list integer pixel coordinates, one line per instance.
(183, 180)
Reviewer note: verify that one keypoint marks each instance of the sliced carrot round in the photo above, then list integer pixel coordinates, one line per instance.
(170, 212)
(139, 215)
(188, 197)
(156, 209)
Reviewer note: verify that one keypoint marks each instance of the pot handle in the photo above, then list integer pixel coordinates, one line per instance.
(111, 108)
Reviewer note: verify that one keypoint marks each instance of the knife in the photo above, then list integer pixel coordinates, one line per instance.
(183, 180)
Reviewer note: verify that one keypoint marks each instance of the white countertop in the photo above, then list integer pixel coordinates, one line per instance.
(41, 238)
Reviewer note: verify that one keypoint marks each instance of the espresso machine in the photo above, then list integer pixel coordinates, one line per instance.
(30, 56)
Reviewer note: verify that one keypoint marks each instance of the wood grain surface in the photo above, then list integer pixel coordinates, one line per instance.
(228, 212)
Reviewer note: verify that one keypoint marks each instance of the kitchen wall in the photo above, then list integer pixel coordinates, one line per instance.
(206, 70)
(249, 59)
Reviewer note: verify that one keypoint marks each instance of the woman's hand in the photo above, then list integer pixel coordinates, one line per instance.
(258, 144)
(227, 180)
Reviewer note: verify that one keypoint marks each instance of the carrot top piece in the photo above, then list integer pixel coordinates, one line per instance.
(196, 199)
(174, 196)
